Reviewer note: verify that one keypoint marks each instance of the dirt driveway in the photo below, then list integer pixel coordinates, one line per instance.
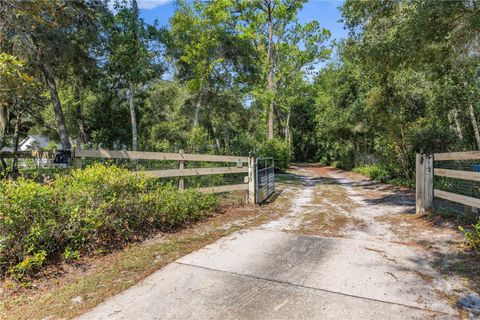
(348, 248)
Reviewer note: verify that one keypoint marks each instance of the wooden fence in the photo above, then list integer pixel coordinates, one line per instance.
(242, 165)
(426, 169)
(33, 154)
(41, 158)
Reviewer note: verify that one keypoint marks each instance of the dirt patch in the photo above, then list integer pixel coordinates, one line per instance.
(329, 224)
(425, 277)
(316, 170)
(349, 205)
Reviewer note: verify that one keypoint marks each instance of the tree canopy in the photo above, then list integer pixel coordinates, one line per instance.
(235, 76)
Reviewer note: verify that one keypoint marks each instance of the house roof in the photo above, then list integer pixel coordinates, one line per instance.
(38, 140)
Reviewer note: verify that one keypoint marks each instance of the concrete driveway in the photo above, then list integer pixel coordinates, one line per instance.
(346, 250)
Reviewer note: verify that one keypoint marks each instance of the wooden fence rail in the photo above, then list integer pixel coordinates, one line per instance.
(239, 167)
(193, 172)
(33, 154)
(467, 155)
(140, 155)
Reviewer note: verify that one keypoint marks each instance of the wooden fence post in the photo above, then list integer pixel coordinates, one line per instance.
(181, 165)
(428, 200)
(419, 183)
(251, 180)
(77, 162)
(423, 182)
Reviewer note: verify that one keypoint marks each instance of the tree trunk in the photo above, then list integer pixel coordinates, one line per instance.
(270, 120)
(288, 136)
(217, 141)
(16, 134)
(57, 108)
(3, 122)
(471, 112)
(280, 128)
(270, 73)
(457, 127)
(3, 130)
(133, 117)
(196, 116)
(79, 117)
(132, 84)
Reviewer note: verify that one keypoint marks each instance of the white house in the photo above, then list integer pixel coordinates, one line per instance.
(34, 142)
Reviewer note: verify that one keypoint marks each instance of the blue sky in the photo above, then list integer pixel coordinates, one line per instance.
(324, 11)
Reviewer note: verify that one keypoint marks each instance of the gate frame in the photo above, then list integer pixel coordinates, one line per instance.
(257, 177)
(251, 195)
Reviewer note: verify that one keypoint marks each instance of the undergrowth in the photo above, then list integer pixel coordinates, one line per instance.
(472, 235)
(98, 208)
(383, 174)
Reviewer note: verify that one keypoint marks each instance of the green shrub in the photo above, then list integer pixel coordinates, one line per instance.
(96, 208)
(472, 236)
(70, 255)
(28, 223)
(279, 150)
(29, 264)
(336, 164)
(374, 172)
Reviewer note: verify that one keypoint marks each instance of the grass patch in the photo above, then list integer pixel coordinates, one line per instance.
(118, 272)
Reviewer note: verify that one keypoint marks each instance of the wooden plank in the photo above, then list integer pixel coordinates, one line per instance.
(181, 166)
(140, 155)
(468, 155)
(44, 154)
(251, 181)
(428, 184)
(192, 172)
(419, 184)
(468, 201)
(458, 174)
(228, 188)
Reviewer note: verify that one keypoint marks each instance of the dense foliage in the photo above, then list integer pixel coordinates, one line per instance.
(406, 79)
(241, 76)
(88, 210)
(227, 76)
(222, 77)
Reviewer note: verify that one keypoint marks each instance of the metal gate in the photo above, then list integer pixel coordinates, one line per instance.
(265, 178)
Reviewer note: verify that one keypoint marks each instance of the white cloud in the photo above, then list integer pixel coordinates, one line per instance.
(150, 4)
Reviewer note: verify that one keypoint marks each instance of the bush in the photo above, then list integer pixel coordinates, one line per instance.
(472, 236)
(279, 150)
(374, 172)
(99, 207)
